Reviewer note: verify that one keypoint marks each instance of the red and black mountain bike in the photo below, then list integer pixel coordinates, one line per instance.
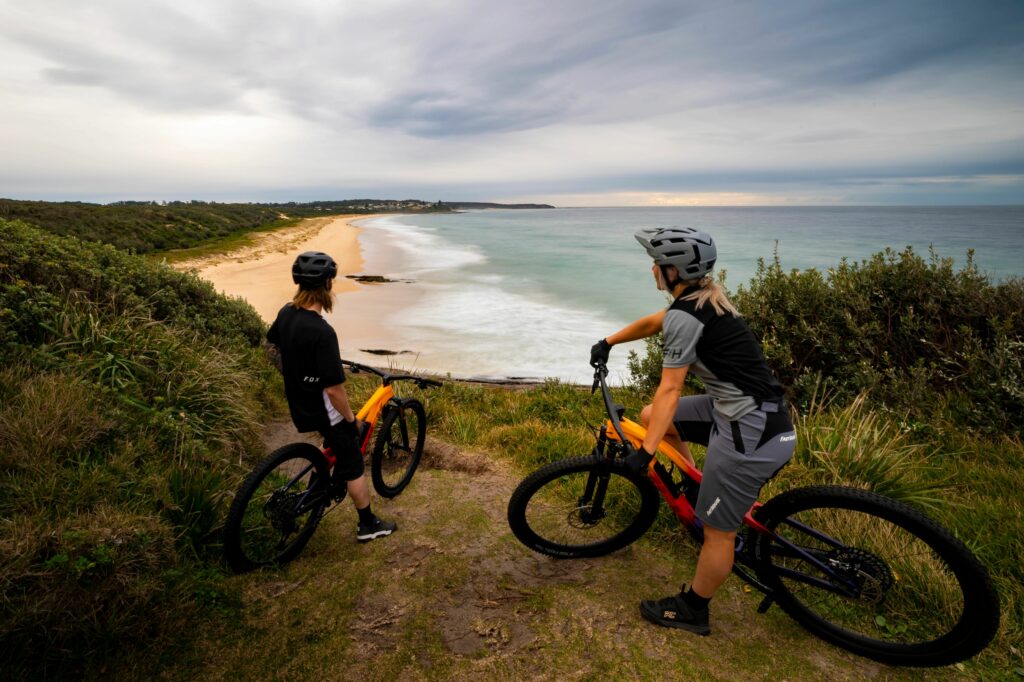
(865, 572)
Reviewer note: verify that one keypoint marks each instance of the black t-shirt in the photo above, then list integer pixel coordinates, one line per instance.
(311, 362)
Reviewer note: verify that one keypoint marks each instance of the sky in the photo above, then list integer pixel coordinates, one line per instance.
(569, 102)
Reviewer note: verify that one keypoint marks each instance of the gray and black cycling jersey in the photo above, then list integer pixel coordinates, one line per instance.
(722, 351)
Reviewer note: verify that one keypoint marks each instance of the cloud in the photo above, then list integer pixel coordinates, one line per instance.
(583, 98)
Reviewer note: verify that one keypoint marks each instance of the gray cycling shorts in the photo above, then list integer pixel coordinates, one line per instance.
(742, 455)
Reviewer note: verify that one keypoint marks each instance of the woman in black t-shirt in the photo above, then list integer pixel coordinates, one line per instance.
(314, 381)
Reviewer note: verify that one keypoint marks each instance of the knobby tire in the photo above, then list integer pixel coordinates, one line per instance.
(261, 528)
(546, 515)
(398, 448)
(924, 599)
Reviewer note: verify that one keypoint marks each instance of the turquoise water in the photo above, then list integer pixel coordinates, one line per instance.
(525, 292)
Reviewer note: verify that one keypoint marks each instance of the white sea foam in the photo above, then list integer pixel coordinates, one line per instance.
(472, 323)
(488, 279)
(421, 249)
(489, 331)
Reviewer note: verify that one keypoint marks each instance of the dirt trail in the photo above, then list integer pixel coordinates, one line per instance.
(453, 595)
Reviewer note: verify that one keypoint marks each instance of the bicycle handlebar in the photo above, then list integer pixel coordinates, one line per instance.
(421, 382)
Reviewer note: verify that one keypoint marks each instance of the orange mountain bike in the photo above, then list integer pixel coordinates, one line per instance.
(865, 572)
(279, 505)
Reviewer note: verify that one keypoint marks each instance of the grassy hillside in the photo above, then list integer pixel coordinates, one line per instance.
(143, 227)
(128, 395)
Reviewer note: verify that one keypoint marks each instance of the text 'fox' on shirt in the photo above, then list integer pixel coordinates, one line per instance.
(722, 351)
(311, 363)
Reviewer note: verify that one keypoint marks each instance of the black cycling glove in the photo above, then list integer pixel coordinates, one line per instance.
(599, 353)
(638, 460)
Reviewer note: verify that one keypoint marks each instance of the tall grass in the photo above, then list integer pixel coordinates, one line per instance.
(123, 418)
(855, 446)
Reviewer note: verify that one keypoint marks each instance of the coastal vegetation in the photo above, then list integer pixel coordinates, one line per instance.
(132, 398)
(926, 341)
(129, 393)
(149, 226)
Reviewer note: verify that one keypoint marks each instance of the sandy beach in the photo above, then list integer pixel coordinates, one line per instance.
(436, 308)
(261, 273)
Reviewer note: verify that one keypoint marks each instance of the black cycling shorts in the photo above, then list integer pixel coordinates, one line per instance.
(341, 439)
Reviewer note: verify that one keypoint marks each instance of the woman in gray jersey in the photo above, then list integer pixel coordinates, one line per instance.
(742, 420)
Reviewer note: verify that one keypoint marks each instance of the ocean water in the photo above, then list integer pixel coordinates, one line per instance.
(525, 293)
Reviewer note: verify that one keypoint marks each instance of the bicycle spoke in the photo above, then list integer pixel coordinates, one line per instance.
(905, 592)
(280, 510)
(557, 514)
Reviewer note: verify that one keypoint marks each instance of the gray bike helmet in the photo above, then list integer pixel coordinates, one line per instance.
(313, 269)
(692, 251)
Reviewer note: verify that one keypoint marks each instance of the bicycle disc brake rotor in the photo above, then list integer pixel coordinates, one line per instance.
(868, 571)
(584, 517)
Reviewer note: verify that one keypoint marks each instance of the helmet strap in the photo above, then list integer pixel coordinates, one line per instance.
(670, 284)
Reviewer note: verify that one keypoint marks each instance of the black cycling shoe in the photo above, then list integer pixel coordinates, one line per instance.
(673, 612)
(377, 528)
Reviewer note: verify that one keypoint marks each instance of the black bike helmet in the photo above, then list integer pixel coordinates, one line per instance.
(692, 251)
(313, 269)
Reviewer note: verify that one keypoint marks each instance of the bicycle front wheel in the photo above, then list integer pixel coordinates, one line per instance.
(582, 507)
(398, 448)
(875, 576)
(277, 508)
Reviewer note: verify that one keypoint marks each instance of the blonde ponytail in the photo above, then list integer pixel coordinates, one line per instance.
(707, 290)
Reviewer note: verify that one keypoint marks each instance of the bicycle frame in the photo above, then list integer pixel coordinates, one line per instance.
(369, 414)
(371, 410)
(619, 429)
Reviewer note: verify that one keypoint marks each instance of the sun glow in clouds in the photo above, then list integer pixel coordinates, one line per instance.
(685, 199)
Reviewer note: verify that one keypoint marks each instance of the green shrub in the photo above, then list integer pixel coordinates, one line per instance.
(645, 370)
(37, 270)
(908, 330)
(130, 394)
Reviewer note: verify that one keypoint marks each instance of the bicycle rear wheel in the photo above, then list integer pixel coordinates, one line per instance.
(398, 448)
(277, 508)
(582, 507)
(900, 588)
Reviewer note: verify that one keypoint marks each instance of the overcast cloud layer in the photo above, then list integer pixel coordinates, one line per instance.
(586, 102)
